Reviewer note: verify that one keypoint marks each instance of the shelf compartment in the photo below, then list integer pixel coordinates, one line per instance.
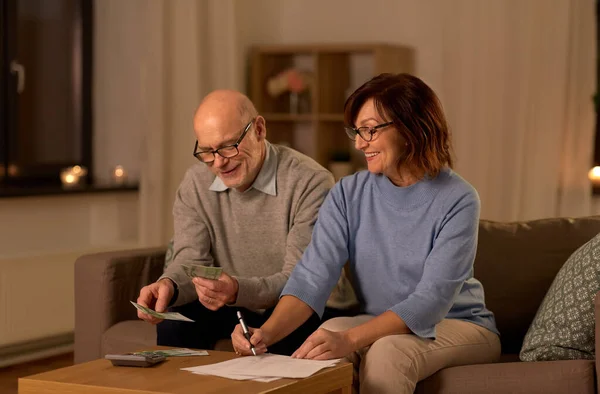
(267, 65)
(333, 80)
(331, 117)
(281, 133)
(283, 117)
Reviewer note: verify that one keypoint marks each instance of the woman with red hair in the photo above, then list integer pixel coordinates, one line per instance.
(408, 229)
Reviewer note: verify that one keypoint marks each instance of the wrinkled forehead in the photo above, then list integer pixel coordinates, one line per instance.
(214, 132)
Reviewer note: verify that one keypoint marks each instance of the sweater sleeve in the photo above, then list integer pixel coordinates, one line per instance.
(315, 276)
(263, 292)
(448, 265)
(191, 240)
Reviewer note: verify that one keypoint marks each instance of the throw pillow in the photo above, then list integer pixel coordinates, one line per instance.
(563, 327)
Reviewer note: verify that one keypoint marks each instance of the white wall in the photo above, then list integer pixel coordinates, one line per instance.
(40, 239)
(34, 226)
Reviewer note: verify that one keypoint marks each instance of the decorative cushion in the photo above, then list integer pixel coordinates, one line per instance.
(563, 327)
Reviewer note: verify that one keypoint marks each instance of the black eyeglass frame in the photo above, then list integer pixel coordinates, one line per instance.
(352, 132)
(219, 151)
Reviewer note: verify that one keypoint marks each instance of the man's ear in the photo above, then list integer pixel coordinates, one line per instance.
(260, 125)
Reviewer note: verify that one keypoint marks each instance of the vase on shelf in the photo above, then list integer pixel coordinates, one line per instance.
(299, 103)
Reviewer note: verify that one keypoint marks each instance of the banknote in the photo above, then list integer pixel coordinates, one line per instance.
(202, 271)
(163, 315)
(173, 352)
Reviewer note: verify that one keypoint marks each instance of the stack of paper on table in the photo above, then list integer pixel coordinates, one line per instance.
(263, 368)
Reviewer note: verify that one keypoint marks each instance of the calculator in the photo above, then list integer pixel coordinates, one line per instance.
(135, 360)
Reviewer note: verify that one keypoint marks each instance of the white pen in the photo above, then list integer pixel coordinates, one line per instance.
(246, 332)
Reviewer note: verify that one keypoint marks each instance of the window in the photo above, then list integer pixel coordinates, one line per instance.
(45, 90)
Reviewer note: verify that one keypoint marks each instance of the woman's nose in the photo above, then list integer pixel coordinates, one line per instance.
(359, 143)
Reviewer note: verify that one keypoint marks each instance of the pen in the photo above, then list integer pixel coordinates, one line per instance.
(246, 332)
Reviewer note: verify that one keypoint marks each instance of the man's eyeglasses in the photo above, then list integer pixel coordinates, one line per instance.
(225, 152)
(366, 133)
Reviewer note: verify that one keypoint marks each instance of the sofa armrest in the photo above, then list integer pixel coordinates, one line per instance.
(597, 339)
(104, 285)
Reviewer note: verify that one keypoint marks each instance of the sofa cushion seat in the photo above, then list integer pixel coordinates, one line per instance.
(134, 335)
(567, 376)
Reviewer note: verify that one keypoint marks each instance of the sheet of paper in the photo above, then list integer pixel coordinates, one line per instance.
(241, 377)
(265, 365)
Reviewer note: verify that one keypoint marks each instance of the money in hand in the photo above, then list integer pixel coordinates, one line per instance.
(165, 315)
(194, 271)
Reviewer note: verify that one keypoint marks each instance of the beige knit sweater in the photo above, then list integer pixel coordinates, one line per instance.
(256, 237)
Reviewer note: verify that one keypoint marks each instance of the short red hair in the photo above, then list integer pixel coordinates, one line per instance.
(417, 113)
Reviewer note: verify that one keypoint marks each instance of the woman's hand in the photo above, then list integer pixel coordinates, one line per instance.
(325, 345)
(241, 344)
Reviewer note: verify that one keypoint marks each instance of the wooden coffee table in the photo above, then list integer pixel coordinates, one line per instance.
(100, 377)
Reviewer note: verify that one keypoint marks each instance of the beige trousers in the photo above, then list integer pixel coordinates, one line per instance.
(394, 364)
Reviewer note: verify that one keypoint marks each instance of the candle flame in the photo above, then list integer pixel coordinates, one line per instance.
(594, 174)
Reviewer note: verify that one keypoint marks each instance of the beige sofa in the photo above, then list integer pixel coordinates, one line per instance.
(516, 262)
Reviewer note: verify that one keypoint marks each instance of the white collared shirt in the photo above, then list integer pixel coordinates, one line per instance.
(266, 180)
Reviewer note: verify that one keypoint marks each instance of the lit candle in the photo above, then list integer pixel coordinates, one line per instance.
(77, 171)
(68, 178)
(119, 175)
(594, 175)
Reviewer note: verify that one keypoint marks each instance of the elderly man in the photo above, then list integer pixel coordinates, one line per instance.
(248, 207)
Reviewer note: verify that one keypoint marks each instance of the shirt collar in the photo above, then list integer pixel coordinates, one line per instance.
(265, 180)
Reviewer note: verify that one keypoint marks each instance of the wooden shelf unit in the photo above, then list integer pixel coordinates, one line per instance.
(337, 70)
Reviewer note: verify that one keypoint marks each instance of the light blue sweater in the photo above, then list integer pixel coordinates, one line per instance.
(411, 250)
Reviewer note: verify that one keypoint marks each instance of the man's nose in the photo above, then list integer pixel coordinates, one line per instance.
(220, 161)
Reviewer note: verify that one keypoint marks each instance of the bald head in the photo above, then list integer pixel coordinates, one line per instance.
(225, 104)
(227, 119)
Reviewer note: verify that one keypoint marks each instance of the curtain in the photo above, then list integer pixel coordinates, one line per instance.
(190, 50)
(518, 80)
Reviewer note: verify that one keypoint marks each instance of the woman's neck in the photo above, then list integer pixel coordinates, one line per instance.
(404, 177)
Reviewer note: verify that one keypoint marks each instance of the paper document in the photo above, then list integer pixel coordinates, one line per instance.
(265, 366)
(240, 377)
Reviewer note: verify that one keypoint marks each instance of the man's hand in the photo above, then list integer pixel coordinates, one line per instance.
(325, 345)
(155, 296)
(213, 294)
